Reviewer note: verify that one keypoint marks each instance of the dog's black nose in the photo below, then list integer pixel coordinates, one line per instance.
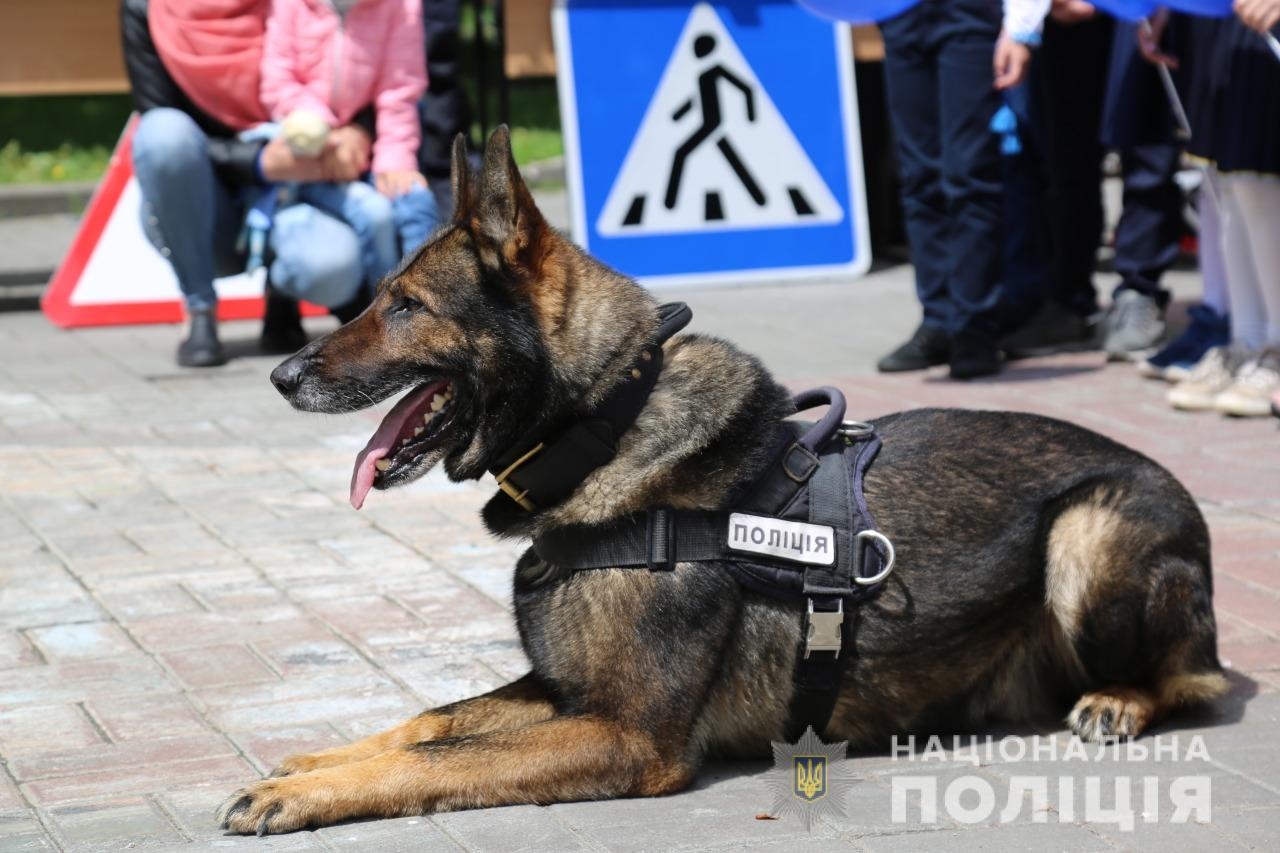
(288, 376)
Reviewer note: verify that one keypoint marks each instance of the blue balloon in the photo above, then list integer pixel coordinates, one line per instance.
(1127, 10)
(858, 11)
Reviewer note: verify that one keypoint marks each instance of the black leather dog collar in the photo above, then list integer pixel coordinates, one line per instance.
(544, 469)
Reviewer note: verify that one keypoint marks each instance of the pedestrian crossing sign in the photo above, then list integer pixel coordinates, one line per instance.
(711, 142)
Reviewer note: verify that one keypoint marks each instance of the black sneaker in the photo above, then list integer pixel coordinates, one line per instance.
(973, 356)
(202, 347)
(282, 332)
(1050, 330)
(928, 347)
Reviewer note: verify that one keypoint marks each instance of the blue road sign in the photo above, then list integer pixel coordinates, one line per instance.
(712, 141)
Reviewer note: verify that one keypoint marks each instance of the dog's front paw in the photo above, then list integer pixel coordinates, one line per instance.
(269, 806)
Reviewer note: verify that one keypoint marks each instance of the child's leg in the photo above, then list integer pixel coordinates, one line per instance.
(1213, 266)
(317, 256)
(416, 216)
(1026, 241)
(1248, 312)
(369, 214)
(1257, 200)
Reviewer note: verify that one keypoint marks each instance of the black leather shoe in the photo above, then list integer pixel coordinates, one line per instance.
(1052, 329)
(973, 356)
(928, 347)
(282, 332)
(202, 347)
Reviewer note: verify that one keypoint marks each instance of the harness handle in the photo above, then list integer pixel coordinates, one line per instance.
(672, 317)
(827, 426)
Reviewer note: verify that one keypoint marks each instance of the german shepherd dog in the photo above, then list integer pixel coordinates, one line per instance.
(1040, 566)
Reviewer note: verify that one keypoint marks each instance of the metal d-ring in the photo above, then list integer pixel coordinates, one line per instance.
(856, 429)
(888, 566)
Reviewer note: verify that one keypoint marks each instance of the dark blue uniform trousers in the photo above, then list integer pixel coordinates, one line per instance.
(941, 101)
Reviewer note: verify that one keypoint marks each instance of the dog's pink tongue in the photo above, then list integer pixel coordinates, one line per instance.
(381, 445)
(365, 471)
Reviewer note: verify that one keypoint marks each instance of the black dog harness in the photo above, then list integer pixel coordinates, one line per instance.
(802, 532)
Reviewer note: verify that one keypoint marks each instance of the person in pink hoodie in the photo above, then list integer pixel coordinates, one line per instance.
(325, 60)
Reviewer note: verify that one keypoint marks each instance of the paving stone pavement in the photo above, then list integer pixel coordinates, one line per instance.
(186, 597)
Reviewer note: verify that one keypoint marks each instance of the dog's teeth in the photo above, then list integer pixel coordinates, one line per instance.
(427, 416)
(403, 442)
(437, 403)
(417, 431)
(382, 464)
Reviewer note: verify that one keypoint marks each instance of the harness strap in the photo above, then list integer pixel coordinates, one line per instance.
(817, 675)
(657, 539)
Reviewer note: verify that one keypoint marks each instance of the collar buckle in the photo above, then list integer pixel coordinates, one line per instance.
(503, 478)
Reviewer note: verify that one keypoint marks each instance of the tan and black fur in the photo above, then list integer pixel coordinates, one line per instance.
(1040, 566)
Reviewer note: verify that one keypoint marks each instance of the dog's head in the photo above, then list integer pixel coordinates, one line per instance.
(473, 324)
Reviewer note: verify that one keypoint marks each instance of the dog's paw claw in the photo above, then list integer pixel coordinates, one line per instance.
(1117, 712)
(231, 807)
(263, 808)
(265, 824)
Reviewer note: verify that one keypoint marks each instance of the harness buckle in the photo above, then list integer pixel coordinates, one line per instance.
(520, 497)
(823, 630)
(799, 463)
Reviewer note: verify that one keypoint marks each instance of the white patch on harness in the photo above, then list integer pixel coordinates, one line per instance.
(791, 540)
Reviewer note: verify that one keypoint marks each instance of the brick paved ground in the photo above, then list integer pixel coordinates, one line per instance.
(185, 597)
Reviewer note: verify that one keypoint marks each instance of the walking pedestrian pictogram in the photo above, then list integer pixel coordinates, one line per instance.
(713, 151)
(709, 102)
(711, 140)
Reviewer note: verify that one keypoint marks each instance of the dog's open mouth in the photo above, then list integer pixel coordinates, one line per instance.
(412, 428)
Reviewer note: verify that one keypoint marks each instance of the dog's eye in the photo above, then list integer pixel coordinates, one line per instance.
(407, 305)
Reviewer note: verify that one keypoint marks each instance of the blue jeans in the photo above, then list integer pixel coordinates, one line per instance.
(938, 75)
(194, 220)
(381, 224)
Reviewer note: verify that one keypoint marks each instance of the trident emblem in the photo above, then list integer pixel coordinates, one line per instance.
(811, 776)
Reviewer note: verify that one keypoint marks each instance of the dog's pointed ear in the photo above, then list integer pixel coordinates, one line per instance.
(462, 181)
(506, 222)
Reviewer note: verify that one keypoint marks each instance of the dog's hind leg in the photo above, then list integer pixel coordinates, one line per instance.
(520, 703)
(1133, 595)
(560, 760)
(1163, 654)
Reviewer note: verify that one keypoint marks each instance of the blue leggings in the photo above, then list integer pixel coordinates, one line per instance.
(386, 228)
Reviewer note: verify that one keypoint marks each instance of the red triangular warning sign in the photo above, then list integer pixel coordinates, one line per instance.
(112, 275)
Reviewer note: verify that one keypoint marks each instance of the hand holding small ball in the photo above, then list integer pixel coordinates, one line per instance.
(305, 132)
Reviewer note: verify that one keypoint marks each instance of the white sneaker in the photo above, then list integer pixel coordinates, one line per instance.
(1249, 396)
(1212, 375)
